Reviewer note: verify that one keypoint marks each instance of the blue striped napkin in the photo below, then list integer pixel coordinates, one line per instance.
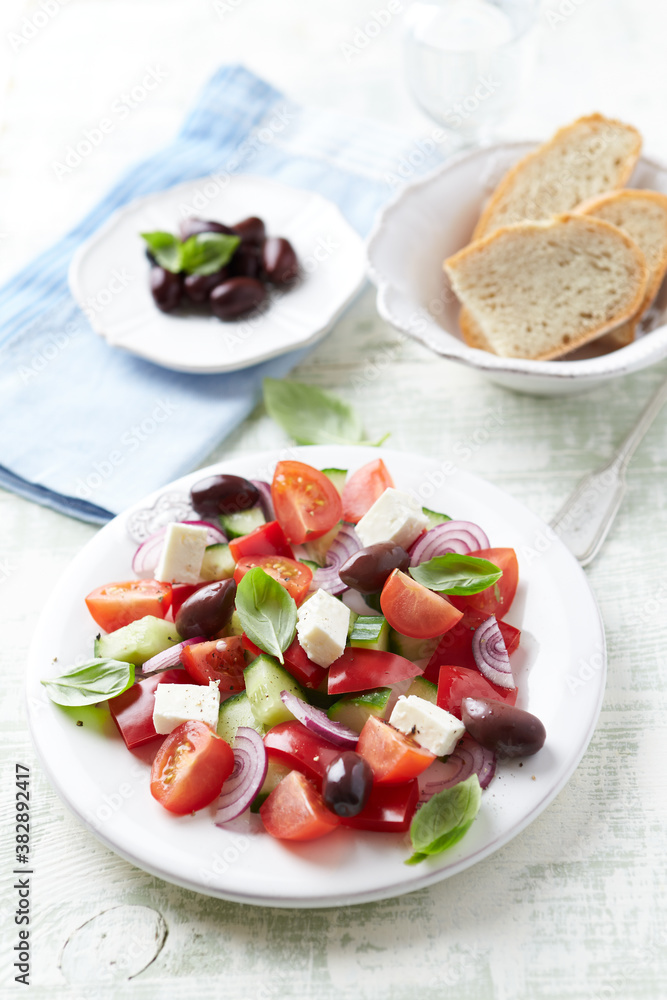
(88, 430)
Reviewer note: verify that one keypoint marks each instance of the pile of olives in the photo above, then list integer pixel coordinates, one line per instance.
(240, 286)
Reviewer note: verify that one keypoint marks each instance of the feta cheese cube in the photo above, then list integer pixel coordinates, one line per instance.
(322, 624)
(182, 553)
(430, 726)
(394, 517)
(176, 703)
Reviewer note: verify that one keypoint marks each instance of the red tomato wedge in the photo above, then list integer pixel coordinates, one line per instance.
(132, 711)
(455, 647)
(306, 502)
(457, 683)
(414, 610)
(117, 604)
(363, 488)
(389, 809)
(267, 540)
(297, 663)
(294, 576)
(495, 600)
(359, 669)
(190, 768)
(219, 660)
(392, 756)
(299, 748)
(295, 811)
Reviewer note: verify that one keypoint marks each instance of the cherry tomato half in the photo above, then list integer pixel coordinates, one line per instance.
(363, 488)
(295, 811)
(190, 768)
(306, 502)
(393, 757)
(294, 576)
(117, 604)
(495, 600)
(219, 660)
(414, 610)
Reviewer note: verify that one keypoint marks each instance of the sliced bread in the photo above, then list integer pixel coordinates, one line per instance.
(592, 155)
(539, 289)
(643, 216)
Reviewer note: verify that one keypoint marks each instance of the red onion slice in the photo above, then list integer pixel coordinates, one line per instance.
(265, 501)
(245, 781)
(344, 545)
(319, 722)
(147, 555)
(461, 537)
(167, 659)
(468, 758)
(491, 656)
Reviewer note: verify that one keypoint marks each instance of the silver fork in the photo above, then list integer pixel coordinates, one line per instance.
(583, 522)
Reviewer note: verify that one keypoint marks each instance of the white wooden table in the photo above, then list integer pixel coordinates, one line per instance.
(576, 906)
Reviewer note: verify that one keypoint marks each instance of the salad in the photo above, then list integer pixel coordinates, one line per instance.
(322, 650)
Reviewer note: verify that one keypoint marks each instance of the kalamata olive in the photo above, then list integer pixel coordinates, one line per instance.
(223, 495)
(251, 230)
(207, 610)
(367, 570)
(246, 263)
(347, 784)
(280, 261)
(503, 728)
(166, 288)
(193, 226)
(198, 287)
(236, 296)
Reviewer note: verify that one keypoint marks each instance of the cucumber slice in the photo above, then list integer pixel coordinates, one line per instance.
(423, 689)
(264, 680)
(371, 632)
(234, 712)
(138, 641)
(434, 518)
(218, 563)
(353, 619)
(353, 709)
(316, 551)
(243, 522)
(412, 649)
(275, 772)
(310, 564)
(337, 477)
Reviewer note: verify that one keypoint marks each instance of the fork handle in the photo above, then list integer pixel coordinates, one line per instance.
(584, 520)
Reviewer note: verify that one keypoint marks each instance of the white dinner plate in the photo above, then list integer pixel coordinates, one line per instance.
(109, 275)
(561, 666)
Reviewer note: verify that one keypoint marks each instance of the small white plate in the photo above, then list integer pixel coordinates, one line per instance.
(432, 219)
(109, 276)
(561, 664)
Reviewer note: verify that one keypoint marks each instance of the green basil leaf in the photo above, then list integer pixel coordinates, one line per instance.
(91, 682)
(167, 250)
(455, 574)
(206, 253)
(267, 612)
(444, 819)
(312, 416)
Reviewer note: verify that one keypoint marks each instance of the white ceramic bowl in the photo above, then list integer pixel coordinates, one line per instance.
(109, 276)
(432, 219)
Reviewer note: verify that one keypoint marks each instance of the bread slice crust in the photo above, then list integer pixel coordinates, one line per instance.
(527, 245)
(557, 176)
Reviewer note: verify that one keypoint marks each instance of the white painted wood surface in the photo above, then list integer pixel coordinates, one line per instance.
(575, 907)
